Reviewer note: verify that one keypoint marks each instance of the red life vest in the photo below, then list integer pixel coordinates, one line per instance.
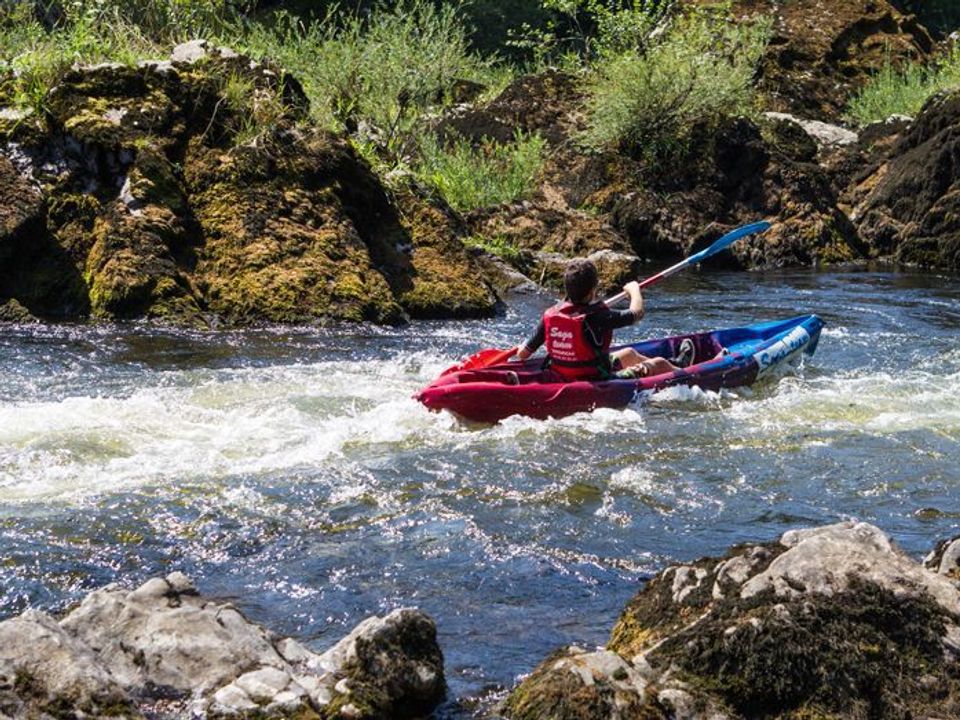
(575, 354)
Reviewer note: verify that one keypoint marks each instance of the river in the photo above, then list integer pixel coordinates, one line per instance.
(289, 470)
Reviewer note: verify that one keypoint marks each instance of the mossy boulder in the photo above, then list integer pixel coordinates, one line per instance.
(820, 55)
(195, 191)
(909, 207)
(808, 627)
(444, 278)
(547, 103)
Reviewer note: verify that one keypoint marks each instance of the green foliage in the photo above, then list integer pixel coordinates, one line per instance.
(168, 21)
(383, 71)
(471, 177)
(582, 30)
(38, 58)
(497, 245)
(903, 91)
(253, 115)
(699, 70)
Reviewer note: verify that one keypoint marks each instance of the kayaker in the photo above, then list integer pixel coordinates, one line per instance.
(578, 333)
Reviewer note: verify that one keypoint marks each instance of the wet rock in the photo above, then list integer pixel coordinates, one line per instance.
(12, 311)
(163, 650)
(805, 627)
(44, 671)
(574, 683)
(945, 559)
(387, 667)
(908, 208)
(823, 51)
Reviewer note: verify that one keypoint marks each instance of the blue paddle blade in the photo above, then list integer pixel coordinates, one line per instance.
(729, 239)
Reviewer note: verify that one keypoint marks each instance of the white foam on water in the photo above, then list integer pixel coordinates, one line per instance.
(206, 425)
(201, 425)
(694, 395)
(878, 403)
(838, 332)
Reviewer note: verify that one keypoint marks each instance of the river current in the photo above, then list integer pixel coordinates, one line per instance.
(290, 471)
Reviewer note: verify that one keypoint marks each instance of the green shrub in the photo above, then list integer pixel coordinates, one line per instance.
(471, 177)
(384, 70)
(497, 245)
(699, 70)
(165, 21)
(38, 58)
(903, 91)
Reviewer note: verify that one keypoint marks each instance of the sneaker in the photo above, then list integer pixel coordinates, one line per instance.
(686, 354)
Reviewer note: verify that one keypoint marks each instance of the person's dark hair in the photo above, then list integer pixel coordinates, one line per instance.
(579, 280)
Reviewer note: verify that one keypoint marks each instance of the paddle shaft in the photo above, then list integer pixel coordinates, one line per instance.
(651, 280)
(721, 244)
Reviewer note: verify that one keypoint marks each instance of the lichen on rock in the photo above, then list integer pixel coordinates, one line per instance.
(806, 627)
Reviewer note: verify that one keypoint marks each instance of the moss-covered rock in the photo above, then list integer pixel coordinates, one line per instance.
(820, 54)
(832, 622)
(194, 191)
(909, 207)
(445, 279)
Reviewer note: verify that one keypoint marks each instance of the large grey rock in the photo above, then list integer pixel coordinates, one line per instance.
(164, 635)
(826, 560)
(824, 134)
(164, 643)
(43, 667)
(807, 626)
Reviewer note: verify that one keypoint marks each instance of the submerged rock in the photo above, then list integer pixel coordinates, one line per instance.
(163, 650)
(805, 627)
(193, 190)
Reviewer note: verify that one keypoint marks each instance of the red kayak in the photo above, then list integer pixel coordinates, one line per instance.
(525, 388)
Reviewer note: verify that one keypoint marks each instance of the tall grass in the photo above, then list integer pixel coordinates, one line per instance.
(381, 72)
(470, 177)
(34, 59)
(903, 91)
(93, 31)
(700, 69)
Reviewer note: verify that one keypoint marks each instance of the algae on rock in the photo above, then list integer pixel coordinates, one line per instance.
(166, 193)
(807, 627)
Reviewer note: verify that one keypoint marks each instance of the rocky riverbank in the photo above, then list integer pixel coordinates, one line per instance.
(832, 622)
(163, 651)
(195, 189)
(147, 192)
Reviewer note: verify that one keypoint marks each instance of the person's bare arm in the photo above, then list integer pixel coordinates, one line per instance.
(636, 299)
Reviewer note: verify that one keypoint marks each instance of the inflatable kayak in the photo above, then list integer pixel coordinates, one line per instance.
(525, 388)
